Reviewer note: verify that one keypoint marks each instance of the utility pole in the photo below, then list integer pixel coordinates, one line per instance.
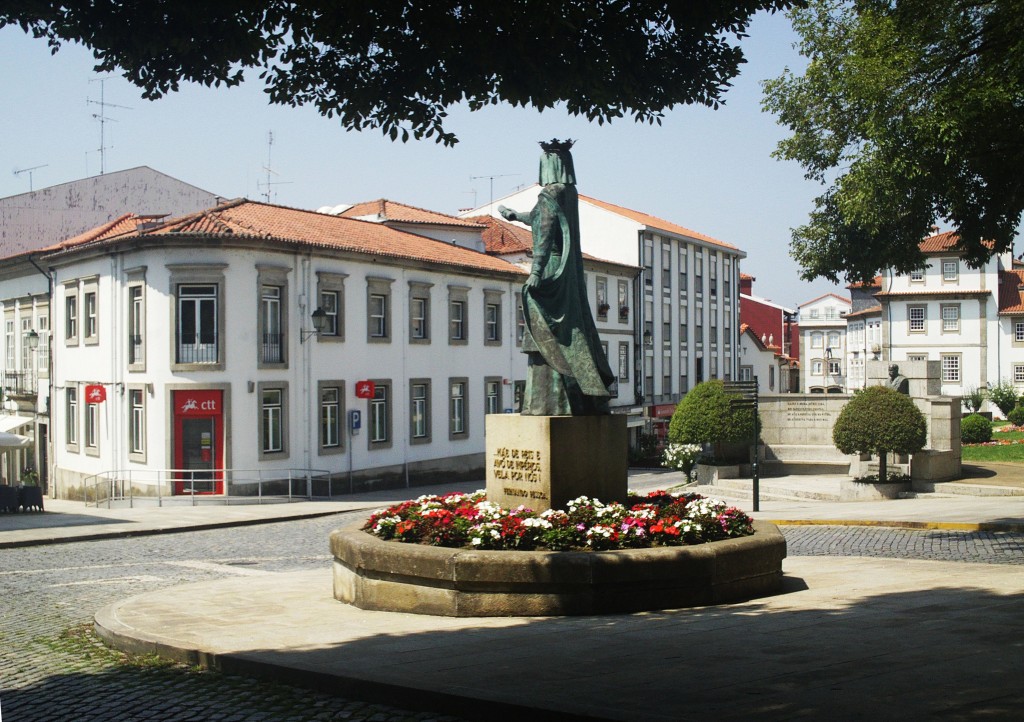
(103, 119)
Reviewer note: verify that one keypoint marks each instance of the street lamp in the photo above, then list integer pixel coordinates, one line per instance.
(320, 320)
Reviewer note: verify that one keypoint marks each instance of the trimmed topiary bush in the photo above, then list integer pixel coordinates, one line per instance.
(704, 416)
(1016, 416)
(975, 429)
(879, 420)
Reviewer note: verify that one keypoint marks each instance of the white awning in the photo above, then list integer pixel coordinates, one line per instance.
(10, 423)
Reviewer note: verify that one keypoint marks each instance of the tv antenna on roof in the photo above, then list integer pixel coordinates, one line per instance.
(29, 171)
(268, 184)
(492, 177)
(103, 119)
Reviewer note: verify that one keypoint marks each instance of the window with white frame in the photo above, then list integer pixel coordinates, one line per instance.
(272, 420)
(682, 267)
(91, 431)
(71, 315)
(623, 302)
(520, 320)
(378, 310)
(817, 340)
(950, 367)
(835, 367)
(1018, 331)
(950, 270)
(419, 312)
(666, 264)
(458, 426)
(492, 318)
(26, 347)
(917, 357)
(1018, 373)
(10, 346)
(197, 323)
(458, 306)
(623, 361)
(917, 275)
(332, 415)
(419, 410)
(380, 415)
(746, 373)
(950, 317)
(90, 303)
(816, 367)
(71, 417)
(136, 423)
(834, 340)
(916, 316)
(492, 395)
(136, 326)
(601, 285)
(272, 345)
(43, 352)
(331, 295)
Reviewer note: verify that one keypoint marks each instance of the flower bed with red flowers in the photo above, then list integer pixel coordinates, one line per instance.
(659, 518)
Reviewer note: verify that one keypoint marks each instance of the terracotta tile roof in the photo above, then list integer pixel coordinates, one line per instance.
(746, 277)
(386, 210)
(127, 223)
(500, 236)
(819, 298)
(953, 293)
(241, 219)
(1011, 294)
(943, 243)
(875, 282)
(870, 311)
(655, 222)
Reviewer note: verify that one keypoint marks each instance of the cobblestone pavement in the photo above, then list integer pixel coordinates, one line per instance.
(52, 667)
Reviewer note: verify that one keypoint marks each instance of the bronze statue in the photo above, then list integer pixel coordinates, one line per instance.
(568, 372)
(897, 382)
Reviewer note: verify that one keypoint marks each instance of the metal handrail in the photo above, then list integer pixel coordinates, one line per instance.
(119, 485)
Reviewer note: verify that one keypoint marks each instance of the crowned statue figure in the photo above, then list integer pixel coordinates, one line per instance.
(568, 372)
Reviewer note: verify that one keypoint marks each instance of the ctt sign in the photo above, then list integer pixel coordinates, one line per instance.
(365, 389)
(95, 394)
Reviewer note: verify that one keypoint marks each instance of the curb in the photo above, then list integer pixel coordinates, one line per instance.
(1017, 527)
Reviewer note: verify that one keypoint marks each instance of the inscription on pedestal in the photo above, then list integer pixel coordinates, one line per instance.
(520, 472)
(804, 411)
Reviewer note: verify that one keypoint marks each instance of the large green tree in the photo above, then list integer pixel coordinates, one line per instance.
(398, 65)
(911, 112)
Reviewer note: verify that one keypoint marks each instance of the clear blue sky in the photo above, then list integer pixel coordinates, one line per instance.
(703, 169)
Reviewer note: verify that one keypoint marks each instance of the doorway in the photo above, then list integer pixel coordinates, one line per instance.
(198, 442)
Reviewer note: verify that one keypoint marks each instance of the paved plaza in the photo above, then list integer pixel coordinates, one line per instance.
(875, 621)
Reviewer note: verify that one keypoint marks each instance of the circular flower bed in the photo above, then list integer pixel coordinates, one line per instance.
(468, 520)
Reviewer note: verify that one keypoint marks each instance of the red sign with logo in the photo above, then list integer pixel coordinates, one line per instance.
(365, 389)
(197, 403)
(95, 394)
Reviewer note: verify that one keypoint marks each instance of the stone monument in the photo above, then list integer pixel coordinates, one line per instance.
(565, 443)
(898, 382)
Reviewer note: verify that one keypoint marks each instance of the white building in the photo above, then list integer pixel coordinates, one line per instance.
(760, 361)
(685, 311)
(823, 344)
(189, 345)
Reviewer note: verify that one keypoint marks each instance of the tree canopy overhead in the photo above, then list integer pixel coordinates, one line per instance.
(911, 112)
(398, 65)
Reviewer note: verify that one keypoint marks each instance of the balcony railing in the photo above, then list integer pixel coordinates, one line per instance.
(197, 353)
(19, 383)
(273, 348)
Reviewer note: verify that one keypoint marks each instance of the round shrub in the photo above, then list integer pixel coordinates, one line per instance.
(879, 420)
(976, 429)
(704, 416)
(1016, 416)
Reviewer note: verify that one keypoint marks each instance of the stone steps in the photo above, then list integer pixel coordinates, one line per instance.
(741, 489)
(952, 488)
(770, 468)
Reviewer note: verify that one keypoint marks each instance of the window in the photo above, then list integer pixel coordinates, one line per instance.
(684, 329)
(623, 361)
(492, 318)
(272, 419)
(602, 298)
(458, 297)
(771, 378)
(332, 416)
(492, 395)
(458, 427)
(666, 323)
(698, 271)
(71, 315)
(272, 347)
(648, 261)
(419, 312)
(10, 354)
(950, 270)
(518, 390)
(682, 268)
(950, 367)
(746, 373)
(950, 317)
(698, 329)
(917, 275)
(623, 302)
(835, 367)
(817, 340)
(816, 367)
(1018, 331)
(714, 367)
(916, 316)
(666, 265)
(834, 342)
(714, 326)
(666, 372)
(380, 416)
(331, 292)
(813, 313)
(71, 417)
(136, 424)
(713, 270)
(917, 357)
(1018, 373)
(727, 279)
(419, 411)
(136, 328)
(197, 324)
(43, 352)
(520, 320)
(91, 314)
(92, 431)
(378, 310)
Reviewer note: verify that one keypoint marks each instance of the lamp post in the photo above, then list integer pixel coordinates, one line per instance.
(320, 319)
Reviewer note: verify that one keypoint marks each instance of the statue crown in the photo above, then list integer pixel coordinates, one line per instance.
(557, 145)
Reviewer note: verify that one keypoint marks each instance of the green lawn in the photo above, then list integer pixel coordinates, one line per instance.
(1010, 453)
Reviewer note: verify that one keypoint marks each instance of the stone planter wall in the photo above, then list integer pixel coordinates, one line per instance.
(850, 490)
(370, 573)
(709, 474)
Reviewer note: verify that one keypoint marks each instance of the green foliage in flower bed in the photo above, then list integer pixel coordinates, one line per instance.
(975, 429)
(891, 479)
(469, 520)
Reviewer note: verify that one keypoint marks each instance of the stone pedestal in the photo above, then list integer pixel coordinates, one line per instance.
(542, 462)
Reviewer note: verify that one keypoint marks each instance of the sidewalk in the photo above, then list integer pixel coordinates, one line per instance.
(847, 638)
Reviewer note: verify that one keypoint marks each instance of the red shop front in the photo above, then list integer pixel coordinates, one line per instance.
(198, 441)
